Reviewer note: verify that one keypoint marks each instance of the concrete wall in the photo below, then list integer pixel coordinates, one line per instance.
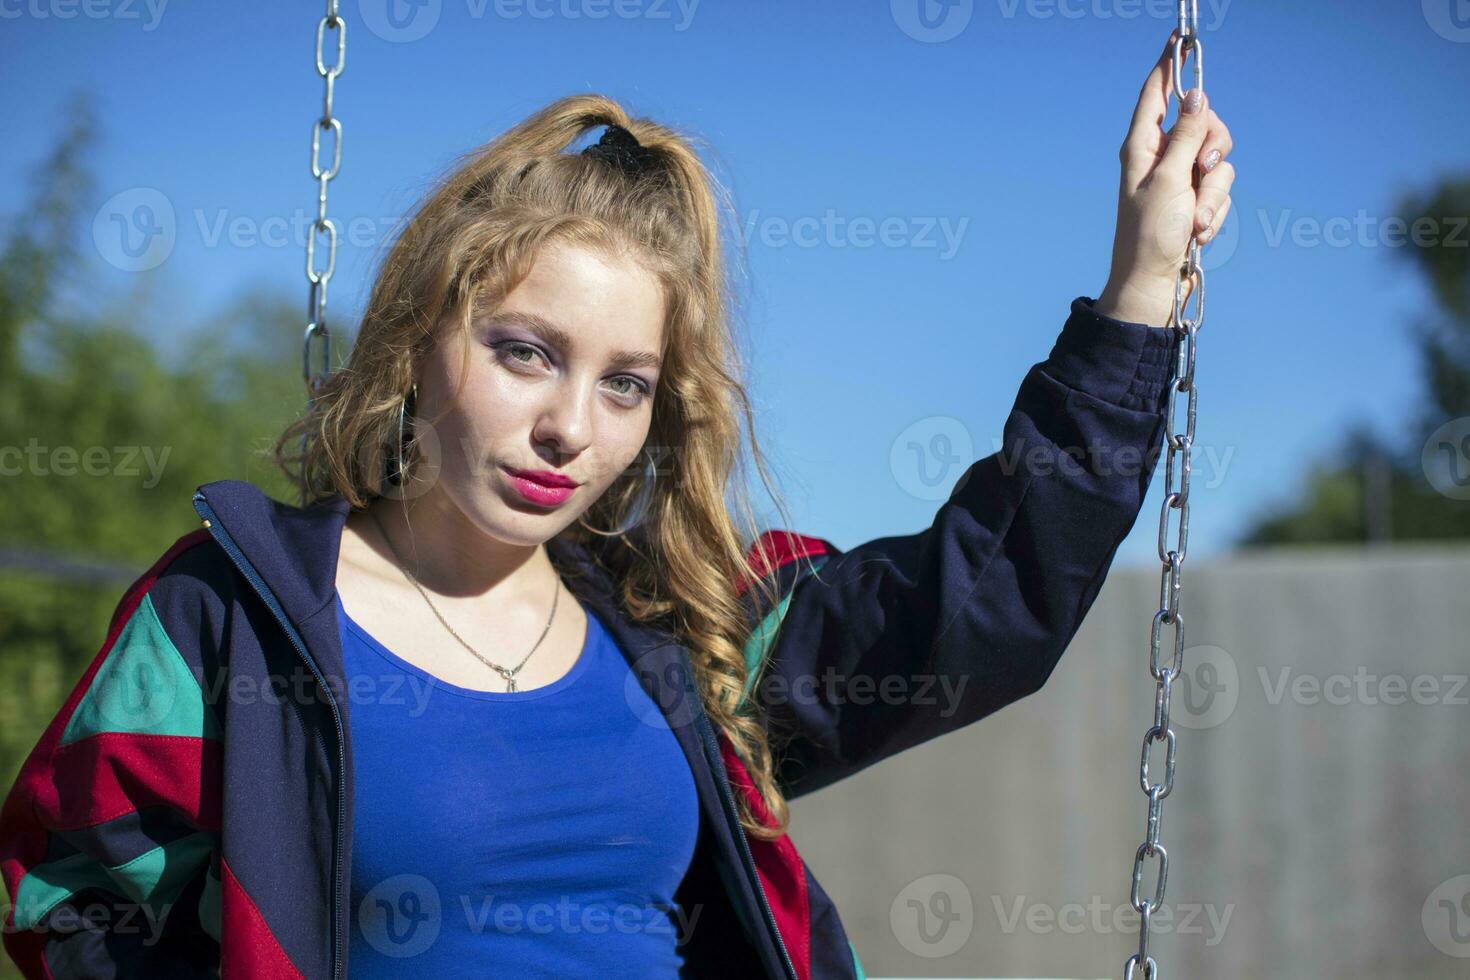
(1307, 838)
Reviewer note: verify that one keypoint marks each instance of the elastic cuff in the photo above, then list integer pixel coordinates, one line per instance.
(1127, 364)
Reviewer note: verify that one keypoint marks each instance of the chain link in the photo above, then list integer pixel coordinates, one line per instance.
(317, 335)
(317, 279)
(1179, 447)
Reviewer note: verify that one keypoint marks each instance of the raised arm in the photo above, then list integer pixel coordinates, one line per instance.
(905, 638)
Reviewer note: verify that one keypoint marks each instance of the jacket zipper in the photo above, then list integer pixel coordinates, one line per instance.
(732, 815)
(217, 531)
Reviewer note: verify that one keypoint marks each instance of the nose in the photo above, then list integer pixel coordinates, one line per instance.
(564, 426)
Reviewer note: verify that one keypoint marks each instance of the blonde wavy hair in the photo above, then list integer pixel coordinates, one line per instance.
(471, 240)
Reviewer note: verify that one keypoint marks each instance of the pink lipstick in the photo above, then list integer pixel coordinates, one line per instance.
(542, 486)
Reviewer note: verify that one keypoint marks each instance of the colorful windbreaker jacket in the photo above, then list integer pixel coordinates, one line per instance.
(187, 813)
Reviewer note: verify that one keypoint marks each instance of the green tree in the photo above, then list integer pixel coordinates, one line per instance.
(79, 374)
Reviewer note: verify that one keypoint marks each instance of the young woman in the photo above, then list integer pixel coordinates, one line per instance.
(520, 692)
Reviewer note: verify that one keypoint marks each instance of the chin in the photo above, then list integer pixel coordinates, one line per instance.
(518, 522)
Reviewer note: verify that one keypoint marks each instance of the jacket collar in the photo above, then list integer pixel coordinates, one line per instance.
(295, 548)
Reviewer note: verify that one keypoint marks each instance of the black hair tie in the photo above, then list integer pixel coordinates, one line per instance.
(622, 149)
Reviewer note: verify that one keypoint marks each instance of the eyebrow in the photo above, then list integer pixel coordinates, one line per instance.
(553, 334)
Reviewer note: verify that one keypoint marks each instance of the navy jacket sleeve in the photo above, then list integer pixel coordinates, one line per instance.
(901, 639)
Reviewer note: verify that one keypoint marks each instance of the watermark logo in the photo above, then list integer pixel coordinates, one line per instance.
(924, 457)
(109, 920)
(660, 697)
(1285, 228)
(932, 21)
(1174, 227)
(1102, 918)
(933, 916)
(833, 689)
(400, 21)
(1207, 688)
(1363, 687)
(1446, 459)
(1446, 917)
(1450, 19)
(938, 233)
(1209, 464)
(679, 13)
(403, 21)
(1364, 230)
(400, 916)
(138, 693)
(36, 459)
(569, 915)
(1110, 9)
(148, 12)
(135, 230)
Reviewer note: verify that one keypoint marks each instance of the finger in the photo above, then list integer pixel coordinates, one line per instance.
(1186, 138)
(1213, 201)
(1153, 98)
(1209, 233)
(1217, 146)
(1145, 137)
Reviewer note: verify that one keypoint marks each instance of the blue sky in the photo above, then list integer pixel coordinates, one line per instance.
(987, 142)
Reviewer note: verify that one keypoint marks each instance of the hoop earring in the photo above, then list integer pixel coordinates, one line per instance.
(640, 509)
(400, 463)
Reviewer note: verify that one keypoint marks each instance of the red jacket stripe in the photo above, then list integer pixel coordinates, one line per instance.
(774, 549)
(779, 868)
(249, 950)
(81, 785)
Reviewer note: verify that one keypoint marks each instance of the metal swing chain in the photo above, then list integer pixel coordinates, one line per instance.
(317, 279)
(1179, 448)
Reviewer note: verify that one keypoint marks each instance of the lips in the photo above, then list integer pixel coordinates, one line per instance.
(546, 478)
(531, 488)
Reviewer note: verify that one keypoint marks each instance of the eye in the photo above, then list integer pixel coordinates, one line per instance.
(512, 350)
(638, 387)
(519, 352)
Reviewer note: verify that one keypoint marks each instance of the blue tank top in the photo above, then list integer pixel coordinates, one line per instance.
(536, 833)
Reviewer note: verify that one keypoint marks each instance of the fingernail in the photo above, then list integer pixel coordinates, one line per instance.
(1212, 158)
(1206, 215)
(1194, 100)
(1206, 235)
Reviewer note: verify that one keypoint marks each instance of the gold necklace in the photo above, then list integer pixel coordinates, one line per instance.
(509, 673)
